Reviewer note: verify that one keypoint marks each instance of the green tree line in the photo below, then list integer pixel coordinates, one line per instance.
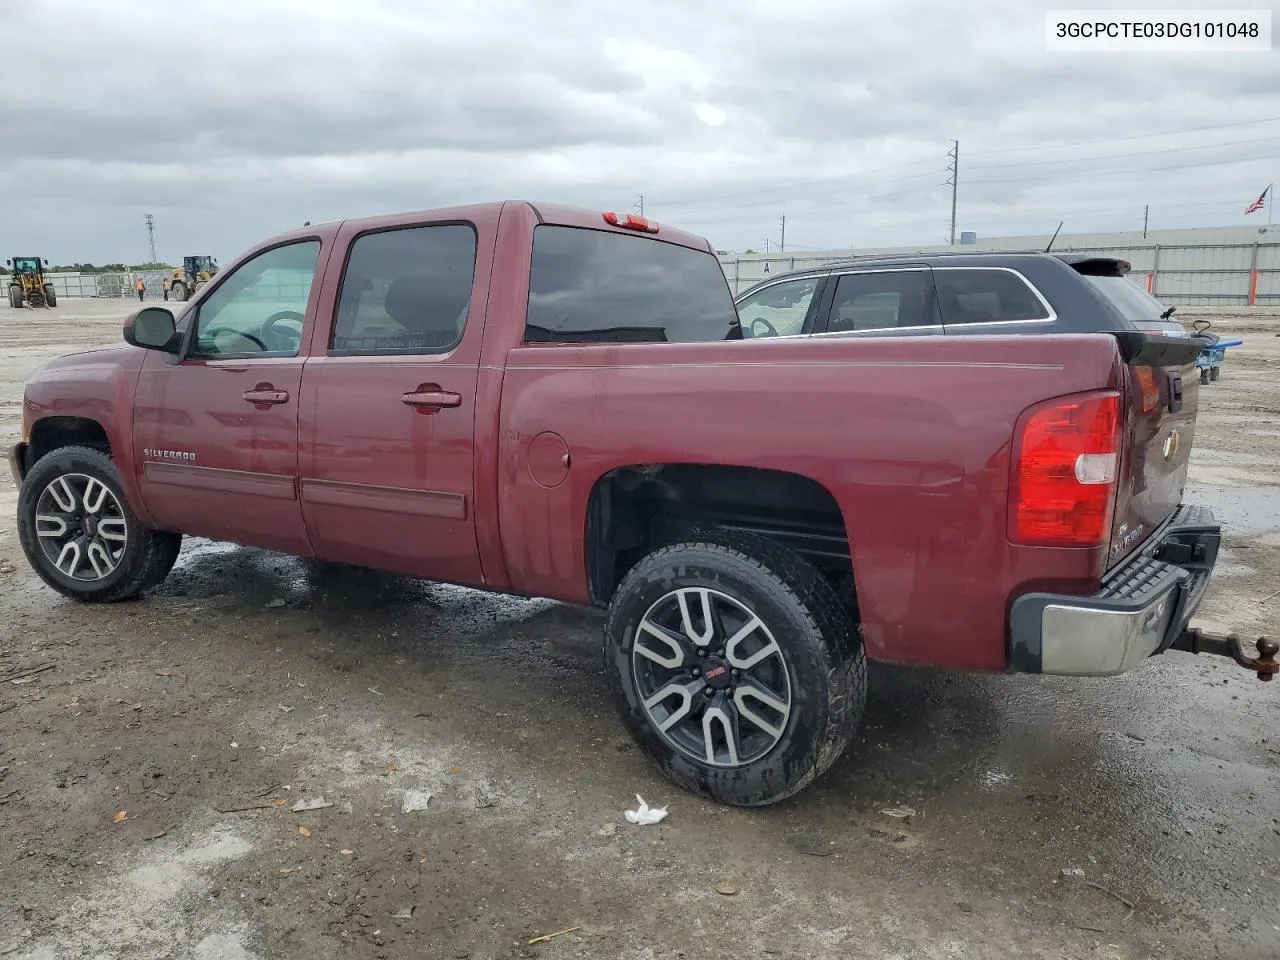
(105, 268)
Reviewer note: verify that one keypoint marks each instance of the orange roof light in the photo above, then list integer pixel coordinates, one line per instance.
(630, 222)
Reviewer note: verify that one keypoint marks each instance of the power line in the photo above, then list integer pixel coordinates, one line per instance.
(850, 178)
(1094, 173)
(1134, 136)
(1117, 156)
(808, 183)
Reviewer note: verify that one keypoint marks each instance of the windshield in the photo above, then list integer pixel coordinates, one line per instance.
(25, 265)
(1135, 304)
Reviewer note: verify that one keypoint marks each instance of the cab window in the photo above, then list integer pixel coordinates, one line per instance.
(259, 309)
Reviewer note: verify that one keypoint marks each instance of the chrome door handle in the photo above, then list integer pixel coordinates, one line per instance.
(432, 398)
(266, 395)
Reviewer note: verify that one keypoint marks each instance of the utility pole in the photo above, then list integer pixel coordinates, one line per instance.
(953, 168)
(151, 236)
(782, 241)
(640, 204)
(1145, 210)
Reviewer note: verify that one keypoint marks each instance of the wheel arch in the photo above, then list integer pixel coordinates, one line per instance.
(635, 509)
(53, 432)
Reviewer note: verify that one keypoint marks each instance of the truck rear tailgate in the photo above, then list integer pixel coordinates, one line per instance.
(1160, 402)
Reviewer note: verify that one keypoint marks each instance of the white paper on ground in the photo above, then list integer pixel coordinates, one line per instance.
(645, 814)
(415, 800)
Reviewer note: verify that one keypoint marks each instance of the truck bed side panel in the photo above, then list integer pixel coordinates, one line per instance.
(912, 437)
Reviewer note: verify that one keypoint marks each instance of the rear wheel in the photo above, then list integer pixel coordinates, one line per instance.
(1204, 375)
(1215, 372)
(178, 291)
(79, 533)
(735, 667)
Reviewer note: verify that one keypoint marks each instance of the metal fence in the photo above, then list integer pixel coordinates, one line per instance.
(1217, 274)
(68, 285)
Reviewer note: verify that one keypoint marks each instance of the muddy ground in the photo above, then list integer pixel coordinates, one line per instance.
(147, 776)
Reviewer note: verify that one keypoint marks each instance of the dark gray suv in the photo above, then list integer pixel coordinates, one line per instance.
(955, 294)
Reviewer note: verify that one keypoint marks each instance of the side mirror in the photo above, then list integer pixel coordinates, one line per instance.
(46, 263)
(152, 328)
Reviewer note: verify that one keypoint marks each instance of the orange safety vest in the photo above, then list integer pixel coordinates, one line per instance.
(140, 285)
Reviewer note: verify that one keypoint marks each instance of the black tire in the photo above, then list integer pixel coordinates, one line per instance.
(178, 291)
(821, 652)
(15, 297)
(50, 296)
(1215, 373)
(148, 555)
(1204, 375)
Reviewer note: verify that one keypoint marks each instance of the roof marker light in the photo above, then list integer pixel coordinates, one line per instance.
(631, 222)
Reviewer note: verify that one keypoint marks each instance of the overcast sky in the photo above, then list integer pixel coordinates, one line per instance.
(724, 115)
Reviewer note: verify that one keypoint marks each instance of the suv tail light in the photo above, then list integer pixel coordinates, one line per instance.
(1065, 462)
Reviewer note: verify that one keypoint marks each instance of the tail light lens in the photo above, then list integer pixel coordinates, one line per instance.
(1065, 463)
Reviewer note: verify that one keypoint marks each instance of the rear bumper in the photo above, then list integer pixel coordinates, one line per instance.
(1142, 608)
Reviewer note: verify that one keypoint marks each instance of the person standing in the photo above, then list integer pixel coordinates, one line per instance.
(141, 288)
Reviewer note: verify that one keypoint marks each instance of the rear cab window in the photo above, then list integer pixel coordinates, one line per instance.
(987, 296)
(596, 286)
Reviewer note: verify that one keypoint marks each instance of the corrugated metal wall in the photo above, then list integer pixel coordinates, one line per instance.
(1224, 271)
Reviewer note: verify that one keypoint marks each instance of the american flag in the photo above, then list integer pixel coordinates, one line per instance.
(1259, 203)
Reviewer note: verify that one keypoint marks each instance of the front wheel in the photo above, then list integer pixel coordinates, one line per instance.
(1215, 372)
(79, 533)
(50, 296)
(178, 291)
(735, 667)
(15, 297)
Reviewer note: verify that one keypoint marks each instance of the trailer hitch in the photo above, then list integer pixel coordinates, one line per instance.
(1265, 665)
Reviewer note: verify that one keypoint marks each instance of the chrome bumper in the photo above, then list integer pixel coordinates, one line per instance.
(1142, 608)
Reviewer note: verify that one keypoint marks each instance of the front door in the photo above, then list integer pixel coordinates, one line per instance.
(217, 433)
(389, 404)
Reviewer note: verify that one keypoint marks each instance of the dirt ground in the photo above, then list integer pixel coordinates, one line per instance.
(147, 776)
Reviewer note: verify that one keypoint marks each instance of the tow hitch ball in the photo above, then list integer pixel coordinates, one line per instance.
(1264, 664)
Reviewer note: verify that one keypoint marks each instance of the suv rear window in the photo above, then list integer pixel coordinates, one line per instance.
(594, 286)
(1134, 304)
(986, 296)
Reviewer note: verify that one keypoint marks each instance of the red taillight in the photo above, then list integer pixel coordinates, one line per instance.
(631, 222)
(1065, 462)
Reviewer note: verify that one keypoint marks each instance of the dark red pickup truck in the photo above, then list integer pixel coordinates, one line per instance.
(553, 402)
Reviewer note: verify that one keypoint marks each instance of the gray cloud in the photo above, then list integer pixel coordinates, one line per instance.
(724, 116)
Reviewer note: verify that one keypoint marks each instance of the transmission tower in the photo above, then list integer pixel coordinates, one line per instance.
(151, 236)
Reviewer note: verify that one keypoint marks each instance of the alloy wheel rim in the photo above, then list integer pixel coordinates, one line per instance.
(711, 677)
(81, 527)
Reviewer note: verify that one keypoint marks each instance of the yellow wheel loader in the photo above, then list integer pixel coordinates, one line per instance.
(194, 273)
(27, 285)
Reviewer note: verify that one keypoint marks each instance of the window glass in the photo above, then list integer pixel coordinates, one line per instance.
(986, 296)
(777, 310)
(879, 301)
(259, 307)
(1135, 304)
(592, 286)
(406, 291)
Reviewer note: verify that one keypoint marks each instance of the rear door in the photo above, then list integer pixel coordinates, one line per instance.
(887, 301)
(388, 402)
